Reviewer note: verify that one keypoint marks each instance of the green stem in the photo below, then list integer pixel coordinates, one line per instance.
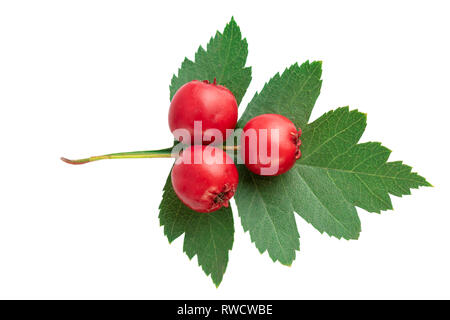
(161, 153)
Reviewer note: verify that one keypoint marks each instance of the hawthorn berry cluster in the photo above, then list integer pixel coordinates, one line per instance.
(204, 176)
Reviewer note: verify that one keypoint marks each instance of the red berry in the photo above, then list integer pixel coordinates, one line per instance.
(262, 152)
(212, 104)
(204, 178)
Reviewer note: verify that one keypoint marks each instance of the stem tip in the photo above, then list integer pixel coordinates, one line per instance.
(73, 161)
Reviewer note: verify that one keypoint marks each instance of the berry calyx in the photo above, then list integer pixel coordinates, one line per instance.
(211, 106)
(270, 144)
(204, 178)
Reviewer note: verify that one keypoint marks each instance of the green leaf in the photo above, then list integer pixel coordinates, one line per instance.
(360, 171)
(293, 94)
(334, 174)
(207, 236)
(224, 59)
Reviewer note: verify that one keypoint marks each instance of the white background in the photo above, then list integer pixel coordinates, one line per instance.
(82, 78)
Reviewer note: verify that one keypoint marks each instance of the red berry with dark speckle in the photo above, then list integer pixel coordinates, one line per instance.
(212, 104)
(204, 178)
(271, 144)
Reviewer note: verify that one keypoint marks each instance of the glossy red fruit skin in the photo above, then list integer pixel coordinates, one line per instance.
(210, 103)
(288, 144)
(206, 186)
